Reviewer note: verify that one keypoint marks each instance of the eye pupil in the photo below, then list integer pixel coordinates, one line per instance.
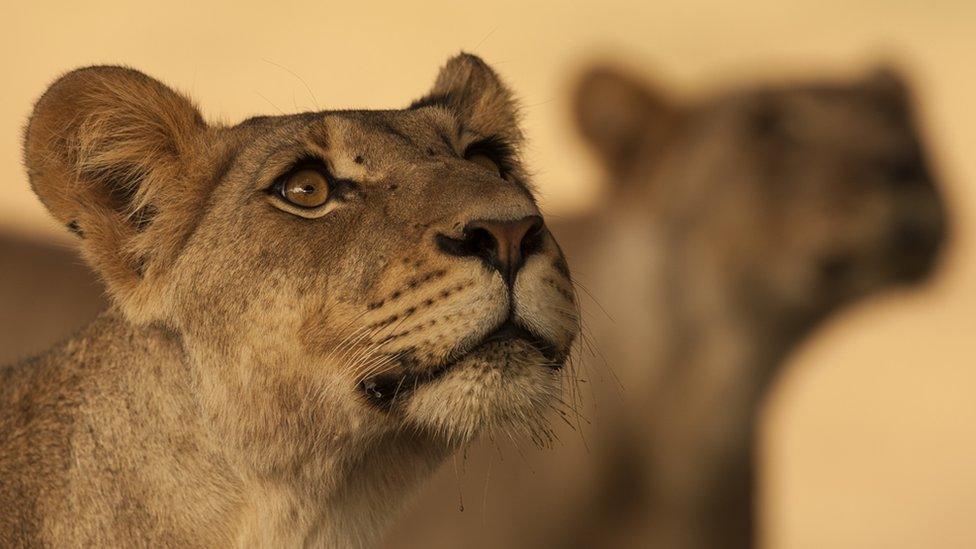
(306, 188)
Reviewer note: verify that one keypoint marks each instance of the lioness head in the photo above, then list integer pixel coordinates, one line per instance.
(331, 274)
(793, 198)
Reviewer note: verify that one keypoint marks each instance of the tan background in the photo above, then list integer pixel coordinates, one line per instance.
(870, 440)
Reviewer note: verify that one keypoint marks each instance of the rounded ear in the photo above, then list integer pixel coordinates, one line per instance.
(475, 92)
(107, 150)
(888, 89)
(887, 84)
(885, 79)
(621, 117)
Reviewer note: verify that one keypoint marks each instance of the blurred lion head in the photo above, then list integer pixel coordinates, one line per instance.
(793, 198)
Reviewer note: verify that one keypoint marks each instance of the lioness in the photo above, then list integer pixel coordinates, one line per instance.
(732, 225)
(754, 215)
(309, 313)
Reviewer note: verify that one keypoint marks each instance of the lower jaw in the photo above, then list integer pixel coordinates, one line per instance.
(386, 391)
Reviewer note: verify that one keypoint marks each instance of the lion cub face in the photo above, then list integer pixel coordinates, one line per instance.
(792, 198)
(385, 268)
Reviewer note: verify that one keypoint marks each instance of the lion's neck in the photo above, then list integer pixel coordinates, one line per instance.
(701, 368)
(715, 371)
(350, 512)
(703, 425)
(318, 467)
(118, 400)
(259, 472)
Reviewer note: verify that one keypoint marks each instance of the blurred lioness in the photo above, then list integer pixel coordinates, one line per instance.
(732, 226)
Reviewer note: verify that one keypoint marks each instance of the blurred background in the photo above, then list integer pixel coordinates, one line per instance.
(868, 440)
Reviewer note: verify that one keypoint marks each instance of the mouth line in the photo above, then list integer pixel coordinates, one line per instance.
(384, 389)
(510, 331)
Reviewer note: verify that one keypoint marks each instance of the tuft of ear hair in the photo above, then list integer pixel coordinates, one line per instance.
(109, 152)
(621, 117)
(475, 92)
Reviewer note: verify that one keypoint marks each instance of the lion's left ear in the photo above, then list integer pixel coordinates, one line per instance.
(469, 86)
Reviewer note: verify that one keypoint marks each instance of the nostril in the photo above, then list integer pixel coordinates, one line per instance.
(532, 241)
(914, 249)
(907, 169)
(474, 242)
(480, 242)
(452, 246)
(501, 244)
(836, 267)
(912, 238)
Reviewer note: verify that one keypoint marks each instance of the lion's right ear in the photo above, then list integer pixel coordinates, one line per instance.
(621, 117)
(109, 151)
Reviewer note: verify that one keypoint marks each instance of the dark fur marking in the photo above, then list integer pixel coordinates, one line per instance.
(76, 229)
(386, 126)
(404, 333)
(559, 288)
(561, 266)
(385, 322)
(416, 282)
(411, 284)
(393, 318)
(447, 141)
(358, 159)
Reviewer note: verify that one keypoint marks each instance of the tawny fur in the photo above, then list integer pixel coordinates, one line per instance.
(220, 401)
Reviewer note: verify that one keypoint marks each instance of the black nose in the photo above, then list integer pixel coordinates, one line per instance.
(915, 248)
(908, 169)
(503, 245)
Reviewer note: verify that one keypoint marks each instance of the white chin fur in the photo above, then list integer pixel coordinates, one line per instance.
(509, 387)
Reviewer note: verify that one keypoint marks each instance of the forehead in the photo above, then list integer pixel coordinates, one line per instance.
(401, 130)
(360, 144)
(828, 118)
(826, 103)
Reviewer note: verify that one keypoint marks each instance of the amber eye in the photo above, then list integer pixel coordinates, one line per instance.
(484, 160)
(305, 188)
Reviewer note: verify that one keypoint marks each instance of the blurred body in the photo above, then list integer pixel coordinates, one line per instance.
(735, 226)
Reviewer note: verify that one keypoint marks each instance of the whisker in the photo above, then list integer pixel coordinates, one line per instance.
(315, 102)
